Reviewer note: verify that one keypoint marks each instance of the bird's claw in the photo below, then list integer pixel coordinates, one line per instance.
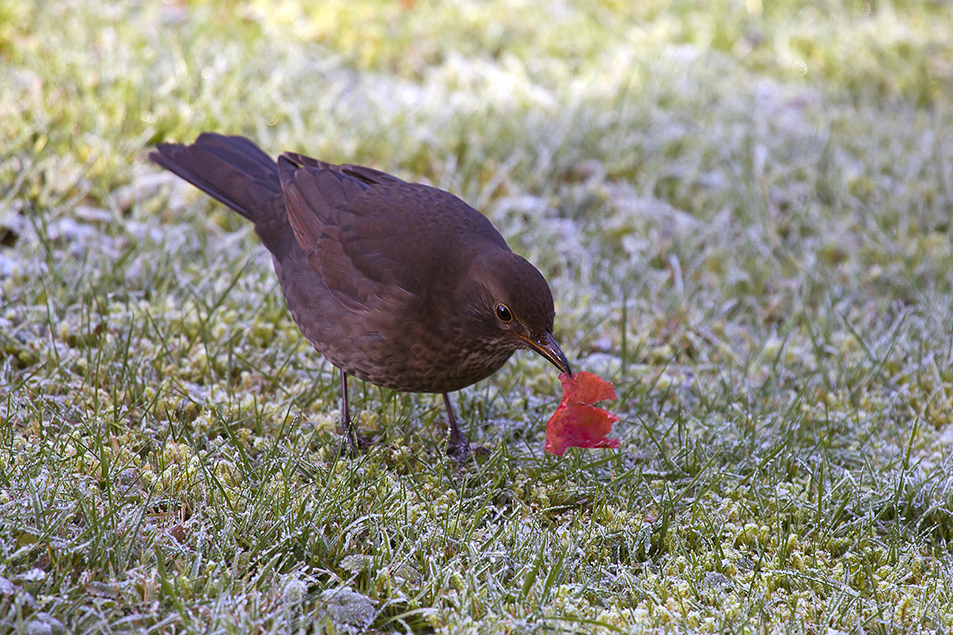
(461, 450)
(352, 444)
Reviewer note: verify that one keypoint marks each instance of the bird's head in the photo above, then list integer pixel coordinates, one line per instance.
(510, 303)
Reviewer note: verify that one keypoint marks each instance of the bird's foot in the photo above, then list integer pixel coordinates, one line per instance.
(353, 444)
(461, 450)
(458, 446)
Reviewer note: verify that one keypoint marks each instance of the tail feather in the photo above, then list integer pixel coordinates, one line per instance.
(232, 170)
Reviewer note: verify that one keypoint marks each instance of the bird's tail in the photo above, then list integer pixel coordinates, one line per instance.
(232, 170)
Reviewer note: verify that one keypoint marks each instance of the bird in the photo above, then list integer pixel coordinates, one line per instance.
(400, 284)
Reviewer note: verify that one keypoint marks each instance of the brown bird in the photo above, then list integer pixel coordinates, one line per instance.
(400, 284)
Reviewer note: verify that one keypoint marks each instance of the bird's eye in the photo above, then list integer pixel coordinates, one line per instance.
(503, 313)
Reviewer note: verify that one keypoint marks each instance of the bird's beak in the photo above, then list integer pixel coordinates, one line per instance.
(548, 348)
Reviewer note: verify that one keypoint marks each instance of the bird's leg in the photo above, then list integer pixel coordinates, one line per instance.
(347, 426)
(459, 446)
(352, 439)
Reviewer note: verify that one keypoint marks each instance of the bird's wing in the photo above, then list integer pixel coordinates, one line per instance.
(367, 175)
(358, 230)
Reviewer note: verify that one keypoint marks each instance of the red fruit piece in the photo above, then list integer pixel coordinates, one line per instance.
(576, 422)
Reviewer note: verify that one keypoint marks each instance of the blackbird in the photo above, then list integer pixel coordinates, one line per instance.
(400, 284)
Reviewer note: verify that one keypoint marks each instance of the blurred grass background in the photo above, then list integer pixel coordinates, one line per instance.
(743, 210)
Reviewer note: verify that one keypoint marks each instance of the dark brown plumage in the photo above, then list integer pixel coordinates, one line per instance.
(399, 284)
